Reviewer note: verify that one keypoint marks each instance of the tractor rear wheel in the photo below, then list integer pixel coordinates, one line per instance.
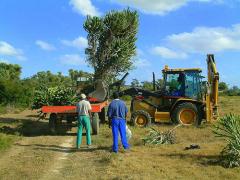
(102, 116)
(141, 118)
(186, 114)
(95, 123)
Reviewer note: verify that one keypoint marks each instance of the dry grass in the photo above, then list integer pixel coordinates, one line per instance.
(156, 162)
(142, 162)
(229, 104)
(150, 162)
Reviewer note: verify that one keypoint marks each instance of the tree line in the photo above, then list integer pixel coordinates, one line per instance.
(21, 92)
(224, 89)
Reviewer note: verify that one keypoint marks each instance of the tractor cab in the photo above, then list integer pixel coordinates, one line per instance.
(183, 82)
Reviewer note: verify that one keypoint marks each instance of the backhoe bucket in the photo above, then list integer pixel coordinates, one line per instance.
(100, 93)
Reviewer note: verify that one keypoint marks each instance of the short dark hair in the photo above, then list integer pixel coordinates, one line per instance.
(115, 95)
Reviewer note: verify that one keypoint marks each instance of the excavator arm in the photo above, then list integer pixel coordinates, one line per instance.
(212, 90)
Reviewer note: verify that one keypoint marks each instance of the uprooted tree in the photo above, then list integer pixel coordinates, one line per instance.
(111, 42)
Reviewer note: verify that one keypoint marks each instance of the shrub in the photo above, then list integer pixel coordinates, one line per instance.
(228, 127)
(58, 95)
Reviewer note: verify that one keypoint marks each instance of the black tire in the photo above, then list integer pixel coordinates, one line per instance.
(95, 123)
(69, 120)
(52, 122)
(186, 113)
(102, 116)
(141, 118)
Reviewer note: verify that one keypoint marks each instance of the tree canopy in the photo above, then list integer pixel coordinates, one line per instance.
(111, 42)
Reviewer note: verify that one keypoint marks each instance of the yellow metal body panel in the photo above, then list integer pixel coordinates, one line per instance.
(212, 94)
(138, 105)
(208, 108)
(162, 117)
(166, 69)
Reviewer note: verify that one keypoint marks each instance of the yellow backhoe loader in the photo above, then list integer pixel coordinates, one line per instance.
(184, 97)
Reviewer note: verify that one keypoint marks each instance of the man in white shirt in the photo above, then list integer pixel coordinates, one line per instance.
(84, 112)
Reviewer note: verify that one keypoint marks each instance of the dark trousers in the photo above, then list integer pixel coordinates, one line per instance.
(119, 125)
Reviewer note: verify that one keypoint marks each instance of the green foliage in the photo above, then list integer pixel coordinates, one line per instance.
(48, 79)
(36, 90)
(135, 83)
(228, 127)
(225, 90)
(147, 85)
(9, 71)
(12, 89)
(111, 42)
(58, 95)
(234, 91)
(159, 83)
(222, 86)
(156, 137)
(126, 98)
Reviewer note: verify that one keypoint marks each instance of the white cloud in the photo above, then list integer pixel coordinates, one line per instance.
(159, 7)
(207, 39)
(72, 59)
(79, 42)
(141, 63)
(201, 40)
(168, 53)
(8, 50)
(45, 46)
(84, 7)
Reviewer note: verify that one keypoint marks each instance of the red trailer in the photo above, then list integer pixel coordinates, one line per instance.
(68, 113)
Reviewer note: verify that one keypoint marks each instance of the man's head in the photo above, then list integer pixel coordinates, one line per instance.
(115, 95)
(82, 96)
(180, 78)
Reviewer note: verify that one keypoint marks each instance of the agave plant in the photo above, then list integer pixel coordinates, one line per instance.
(158, 137)
(228, 127)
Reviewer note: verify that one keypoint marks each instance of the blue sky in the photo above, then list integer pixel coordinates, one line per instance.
(48, 34)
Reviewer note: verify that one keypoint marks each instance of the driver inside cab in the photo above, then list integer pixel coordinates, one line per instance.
(180, 87)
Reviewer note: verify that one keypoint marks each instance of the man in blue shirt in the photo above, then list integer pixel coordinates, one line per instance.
(117, 112)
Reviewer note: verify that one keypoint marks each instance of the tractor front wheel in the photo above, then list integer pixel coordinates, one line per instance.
(141, 118)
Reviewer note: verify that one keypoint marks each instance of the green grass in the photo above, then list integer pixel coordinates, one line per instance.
(3, 109)
(7, 140)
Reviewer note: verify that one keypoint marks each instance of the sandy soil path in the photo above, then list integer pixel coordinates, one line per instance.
(37, 156)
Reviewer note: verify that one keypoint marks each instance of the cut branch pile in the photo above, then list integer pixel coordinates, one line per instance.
(157, 137)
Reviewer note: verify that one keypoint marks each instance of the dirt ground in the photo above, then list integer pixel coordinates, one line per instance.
(39, 155)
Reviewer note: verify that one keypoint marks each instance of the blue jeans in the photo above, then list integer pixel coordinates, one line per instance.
(119, 125)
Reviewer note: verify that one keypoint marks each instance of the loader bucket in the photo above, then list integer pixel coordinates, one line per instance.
(100, 92)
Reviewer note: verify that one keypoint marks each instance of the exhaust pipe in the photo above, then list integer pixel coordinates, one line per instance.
(154, 82)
